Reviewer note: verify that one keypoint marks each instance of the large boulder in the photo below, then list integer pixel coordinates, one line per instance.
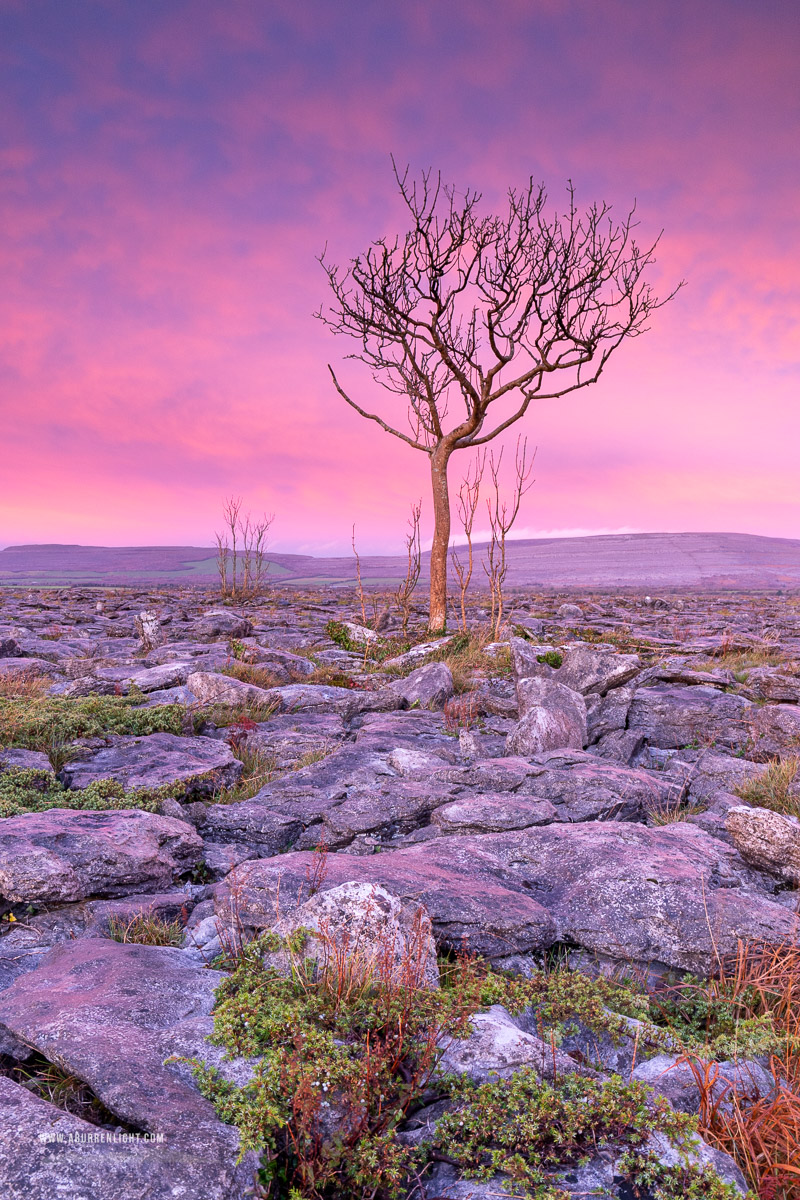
(469, 906)
(428, 687)
(671, 897)
(552, 717)
(767, 840)
(212, 688)
(594, 670)
(608, 714)
(13, 668)
(220, 623)
(111, 1014)
(776, 730)
(200, 765)
(584, 787)
(492, 812)
(670, 717)
(768, 684)
(377, 934)
(63, 854)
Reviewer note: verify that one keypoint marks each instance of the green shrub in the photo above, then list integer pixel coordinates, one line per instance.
(338, 634)
(365, 1050)
(526, 1128)
(26, 790)
(36, 724)
(551, 657)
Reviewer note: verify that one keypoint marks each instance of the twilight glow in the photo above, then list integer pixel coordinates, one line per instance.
(170, 171)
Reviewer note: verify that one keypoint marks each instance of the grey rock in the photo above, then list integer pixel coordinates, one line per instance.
(672, 1076)
(417, 654)
(468, 905)
(293, 664)
(174, 695)
(382, 935)
(608, 714)
(553, 716)
(24, 760)
(775, 729)
(292, 737)
(677, 716)
(63, 854)
(429, 686)
(360, 634)
(595, 669)
(493, 813)
(148, 629)
(569, 612)
(111, 1014)
(767, 840)
(13, 667)
(672, 896)
(168, 675)
(497, 1047)
(622, 745)
(211, 688)
(765, 683)
(696, 1153)
(220, 623)
(200, 765)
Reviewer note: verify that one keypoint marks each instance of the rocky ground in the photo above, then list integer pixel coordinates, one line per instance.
(610, 785)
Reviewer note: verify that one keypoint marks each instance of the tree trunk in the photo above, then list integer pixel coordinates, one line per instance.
(441, 538)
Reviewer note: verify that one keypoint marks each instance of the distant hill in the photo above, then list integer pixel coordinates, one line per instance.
(636, 560)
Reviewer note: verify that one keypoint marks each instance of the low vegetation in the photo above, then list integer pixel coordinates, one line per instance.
(778, 788)
(146, 930)
(26, 790)
(344, 1058)
(36, 723)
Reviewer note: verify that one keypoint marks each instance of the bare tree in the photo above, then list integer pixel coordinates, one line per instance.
(484, 314)
(407, 588)
(502, 516)
(242, 551)
(466, 507)
(359, 583)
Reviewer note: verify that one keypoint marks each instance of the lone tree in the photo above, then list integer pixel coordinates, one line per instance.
(483, 314)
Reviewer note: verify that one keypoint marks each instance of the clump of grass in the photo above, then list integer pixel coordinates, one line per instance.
(23, 685)
(466, 657)
(251, 673)
(27, 790)
(62, 1089)
(758, 986)
(36, 723)
(551, 657)
(259, 769)
(332, 676)
(461, 712)
(727, 655)
(224, 716)
(146, 930)
(778, 788)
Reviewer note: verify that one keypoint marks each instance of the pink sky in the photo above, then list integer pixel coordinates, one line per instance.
(169, 172)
